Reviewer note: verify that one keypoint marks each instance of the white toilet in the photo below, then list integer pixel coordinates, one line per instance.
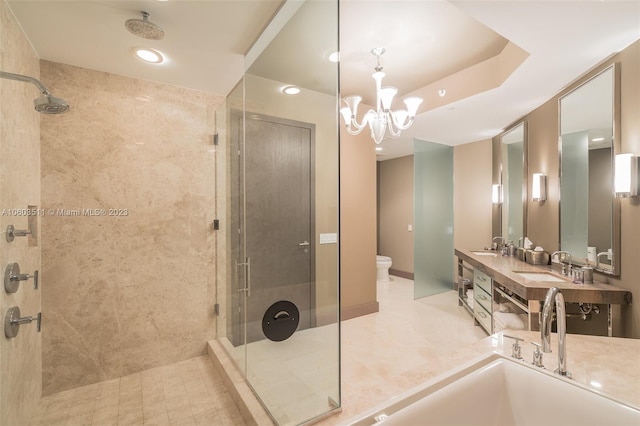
(383, 263)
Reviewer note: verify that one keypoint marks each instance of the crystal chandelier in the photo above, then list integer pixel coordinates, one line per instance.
(383, 117)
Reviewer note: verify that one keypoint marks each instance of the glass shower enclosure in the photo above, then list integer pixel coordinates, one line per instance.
(282, 325)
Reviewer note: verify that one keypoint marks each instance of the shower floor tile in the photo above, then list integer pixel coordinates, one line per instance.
(189, 392)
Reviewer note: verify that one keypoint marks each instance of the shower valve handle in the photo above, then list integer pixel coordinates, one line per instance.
(13, 320)
(12, 232)
(12, 278)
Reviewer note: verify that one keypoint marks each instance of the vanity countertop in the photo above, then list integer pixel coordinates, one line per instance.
(501, 269)
(607, 365)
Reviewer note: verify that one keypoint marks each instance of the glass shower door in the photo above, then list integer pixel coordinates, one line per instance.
(283, 304)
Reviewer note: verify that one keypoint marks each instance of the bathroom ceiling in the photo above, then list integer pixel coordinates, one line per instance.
(429, 43)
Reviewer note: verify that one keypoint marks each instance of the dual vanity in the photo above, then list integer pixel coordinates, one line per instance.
(503, 292)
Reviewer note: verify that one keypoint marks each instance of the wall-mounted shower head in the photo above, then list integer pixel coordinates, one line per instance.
(143, 28)
(50, 105)
(45, 104)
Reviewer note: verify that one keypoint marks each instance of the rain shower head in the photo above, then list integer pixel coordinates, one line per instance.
(143, 28)
(45, 104)
(48, 104)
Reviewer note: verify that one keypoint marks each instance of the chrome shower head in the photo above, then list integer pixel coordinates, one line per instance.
(48, 104)
(143, 28)
(45, 104)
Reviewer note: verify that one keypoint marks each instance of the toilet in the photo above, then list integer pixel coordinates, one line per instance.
(383, 263)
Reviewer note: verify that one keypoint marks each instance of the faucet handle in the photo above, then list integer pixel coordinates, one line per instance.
(515, 348)
(537, 355)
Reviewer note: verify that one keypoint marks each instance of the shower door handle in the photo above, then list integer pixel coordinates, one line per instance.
(304, 243)
(247, 269)
(248, 277)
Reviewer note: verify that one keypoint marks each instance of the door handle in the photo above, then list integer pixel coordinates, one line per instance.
(304, 243)
(247, 268)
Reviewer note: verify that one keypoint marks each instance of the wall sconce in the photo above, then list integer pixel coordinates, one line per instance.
(626, 175)
(496, 194)
(539, 187)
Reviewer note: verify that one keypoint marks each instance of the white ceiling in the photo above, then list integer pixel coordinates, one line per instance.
(205, 41)
(425, 40)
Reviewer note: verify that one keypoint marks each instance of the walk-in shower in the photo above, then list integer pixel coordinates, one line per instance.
(46, 103)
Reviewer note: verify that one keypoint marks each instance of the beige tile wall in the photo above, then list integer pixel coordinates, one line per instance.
(135, 288)
(20, 357)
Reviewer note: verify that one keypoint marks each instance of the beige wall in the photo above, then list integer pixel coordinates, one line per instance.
(472, 173)
(20, 357)
(125, 293)
(395, 183)
(543, 219)
(357, 225)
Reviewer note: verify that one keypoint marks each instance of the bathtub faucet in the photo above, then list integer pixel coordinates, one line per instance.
(555, 296)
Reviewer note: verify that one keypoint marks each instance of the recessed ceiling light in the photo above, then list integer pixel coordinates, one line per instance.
(148, 55)
(442, 92)
(334, 57)
(290, 90)
(597, 139)
(378, 148)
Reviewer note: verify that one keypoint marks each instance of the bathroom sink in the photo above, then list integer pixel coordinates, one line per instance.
(483, 253)
(540, 276)
(497, 390)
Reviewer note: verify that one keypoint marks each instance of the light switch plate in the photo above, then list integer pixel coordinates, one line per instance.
(328, 238)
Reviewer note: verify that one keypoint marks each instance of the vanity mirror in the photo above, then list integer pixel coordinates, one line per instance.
(513, 147)
(589, 212)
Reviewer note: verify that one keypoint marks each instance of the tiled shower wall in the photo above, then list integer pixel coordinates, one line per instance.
(128, 188)
(20, 357)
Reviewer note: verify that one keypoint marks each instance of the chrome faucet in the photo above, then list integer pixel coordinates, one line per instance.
(564, 267)
(555, 296)
(498, 247)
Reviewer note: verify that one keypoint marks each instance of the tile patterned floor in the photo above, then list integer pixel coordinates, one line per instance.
(190, 392)
(383, 354)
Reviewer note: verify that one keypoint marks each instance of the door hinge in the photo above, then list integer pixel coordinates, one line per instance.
(215, 139)
(216, 224)
(216, 309)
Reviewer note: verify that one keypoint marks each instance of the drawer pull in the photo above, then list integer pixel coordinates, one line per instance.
(482, 314)
(483, 297)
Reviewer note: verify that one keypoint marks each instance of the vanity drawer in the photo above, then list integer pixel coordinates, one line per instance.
(482, 280)
(483, 317)
(483, 298)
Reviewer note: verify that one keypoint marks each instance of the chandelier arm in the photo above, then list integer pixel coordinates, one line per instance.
(394, 119)
(392, 125)
(352, 131)
(357, 126)
(406, 126)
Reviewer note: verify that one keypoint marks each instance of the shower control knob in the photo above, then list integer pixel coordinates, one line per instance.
(12, 278)
(12, 232)
(13, 320)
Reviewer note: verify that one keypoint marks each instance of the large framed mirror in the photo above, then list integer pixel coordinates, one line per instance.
(513, 148)
(589, 212)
